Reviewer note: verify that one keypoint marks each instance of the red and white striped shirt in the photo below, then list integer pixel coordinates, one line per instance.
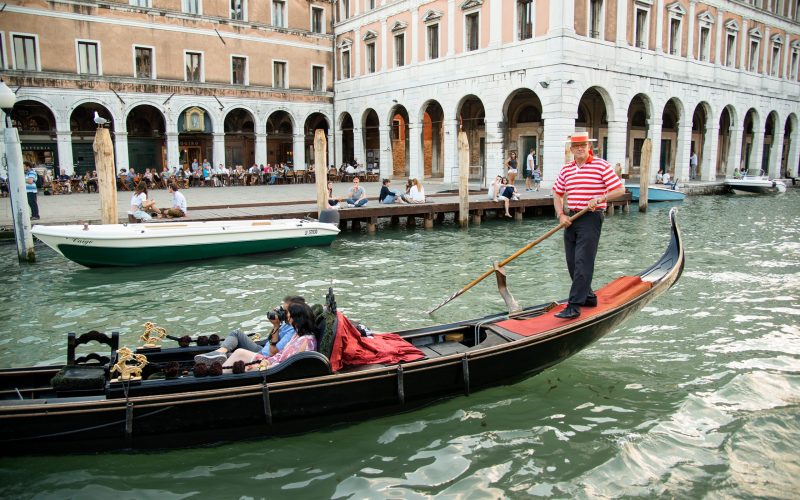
(595, 178)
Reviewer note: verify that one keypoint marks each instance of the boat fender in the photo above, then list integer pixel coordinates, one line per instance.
(465, 371)
(329, 216)
(401, 393)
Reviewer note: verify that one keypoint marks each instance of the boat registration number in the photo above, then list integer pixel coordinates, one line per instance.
(311, 231)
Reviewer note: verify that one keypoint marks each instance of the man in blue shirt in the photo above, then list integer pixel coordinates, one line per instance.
(30, 190)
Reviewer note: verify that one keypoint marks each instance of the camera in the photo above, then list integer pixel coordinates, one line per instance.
(278, 313)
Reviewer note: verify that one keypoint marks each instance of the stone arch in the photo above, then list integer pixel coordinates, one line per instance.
(592, 117)
(788, 168)
(471, 116)
(239, 126)
(345, 127)
(433, 150)
(725, 142)
(523, 126)
(146, 126)
(83, 129)
(771, 152)
(751, 128)
(399, 139)
(700, 142)
(671, 127)
(640, 112)
(371, 137)
(281, 127)
(37, 125)
(313, 121)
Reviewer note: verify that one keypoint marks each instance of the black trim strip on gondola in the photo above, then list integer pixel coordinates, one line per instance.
(465, 371)
(401, 393)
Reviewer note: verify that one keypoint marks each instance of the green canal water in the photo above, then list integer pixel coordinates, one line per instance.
(698, 395)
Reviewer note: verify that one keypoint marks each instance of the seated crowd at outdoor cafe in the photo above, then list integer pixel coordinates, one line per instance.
(203, 174)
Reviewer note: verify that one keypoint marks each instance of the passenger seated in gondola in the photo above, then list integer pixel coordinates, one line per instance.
(301, 318)
(282, 333)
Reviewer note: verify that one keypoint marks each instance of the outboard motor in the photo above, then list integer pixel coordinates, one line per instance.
(329, 216)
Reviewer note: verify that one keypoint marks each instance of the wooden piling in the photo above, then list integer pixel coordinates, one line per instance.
(644, 173)
(106, 176)
(321, 169)
(463, 179)
(17, 191)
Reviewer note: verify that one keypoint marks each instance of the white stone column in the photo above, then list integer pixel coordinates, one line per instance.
(622, 23)
(121, 153)
(660, 26)
(415, 34)
(173, 150)
(384, 41)
(451, 166)
(708, 170)
(357, 42)
(495, 154)
(683, 151)
(495, 23)
(219, 149)
(562, 18)
(358, 146)
(734, 151)
(331, 152)
(64, 147)
(773, 167)
(654, 133)
(765, 48)
(415, 167)
(692, 23)
(451, 31)
(720, 38)
(385, 134)
(617, 141)
(742, 60)
(557, 127)
(794, 154)
(756, 150)
(261, 150)
(339, 154)
(299, 151)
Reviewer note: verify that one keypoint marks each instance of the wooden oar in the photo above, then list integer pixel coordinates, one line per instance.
(510, 258)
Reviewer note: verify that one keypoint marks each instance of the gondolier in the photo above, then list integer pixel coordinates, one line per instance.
(586, 182)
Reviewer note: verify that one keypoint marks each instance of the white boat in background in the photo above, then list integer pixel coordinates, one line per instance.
(155, 243)
(755, 184)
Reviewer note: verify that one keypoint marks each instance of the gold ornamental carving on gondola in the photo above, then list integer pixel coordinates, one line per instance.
(153, 335)
(128, 365)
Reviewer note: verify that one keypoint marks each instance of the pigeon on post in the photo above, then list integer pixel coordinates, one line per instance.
(99, 120)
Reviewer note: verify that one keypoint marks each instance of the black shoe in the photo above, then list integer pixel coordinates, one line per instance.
(591, 301)
(572, 311)
(35, 217)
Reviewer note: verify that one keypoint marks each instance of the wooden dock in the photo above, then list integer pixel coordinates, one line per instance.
(436, 209)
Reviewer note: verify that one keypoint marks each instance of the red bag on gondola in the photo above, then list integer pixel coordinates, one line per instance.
(351, 349)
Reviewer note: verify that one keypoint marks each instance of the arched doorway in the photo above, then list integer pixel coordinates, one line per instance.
(699, 142)
(280, 128)
(433, 140)
(37, 133)
(524, 127)
(348, 146)
(370, 128)
(785, 170)
(240, 138)
(748, 138)
(472, 120)
(593, 118)
(195, 137)
(147, 145)
(639, 112)
(313, 122)
(83, 128)
(399, 141)
(670, 134)
(724, 167)
(769, 141)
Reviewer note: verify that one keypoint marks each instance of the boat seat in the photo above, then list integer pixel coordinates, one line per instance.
(88, 372)
(443, 349)
(507, 335)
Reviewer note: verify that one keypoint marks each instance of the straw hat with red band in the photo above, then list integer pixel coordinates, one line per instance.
(580, 138)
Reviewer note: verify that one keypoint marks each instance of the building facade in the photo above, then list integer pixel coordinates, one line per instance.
(715, 77)
(232, 82)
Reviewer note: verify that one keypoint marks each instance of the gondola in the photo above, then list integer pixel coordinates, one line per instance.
(310, 390)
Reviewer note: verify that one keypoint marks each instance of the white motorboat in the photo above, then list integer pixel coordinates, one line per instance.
(755, 184)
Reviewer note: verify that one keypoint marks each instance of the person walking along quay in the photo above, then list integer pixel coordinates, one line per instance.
(586, 182)
(30, 189)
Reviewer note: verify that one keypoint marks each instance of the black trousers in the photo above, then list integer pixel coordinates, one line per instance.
(33, 204)
(581, 240)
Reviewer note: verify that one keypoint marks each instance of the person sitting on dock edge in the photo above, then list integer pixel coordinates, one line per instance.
(357, 196)
(179, 208)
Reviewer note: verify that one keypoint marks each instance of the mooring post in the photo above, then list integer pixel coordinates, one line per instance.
(644, 173)
(372, 225)
(321, 169)
(106, 176)
(463, 179)
(20, 211)
(428, 221)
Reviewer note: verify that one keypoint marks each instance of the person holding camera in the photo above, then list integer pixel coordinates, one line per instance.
(300, 316)
(282, 333)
